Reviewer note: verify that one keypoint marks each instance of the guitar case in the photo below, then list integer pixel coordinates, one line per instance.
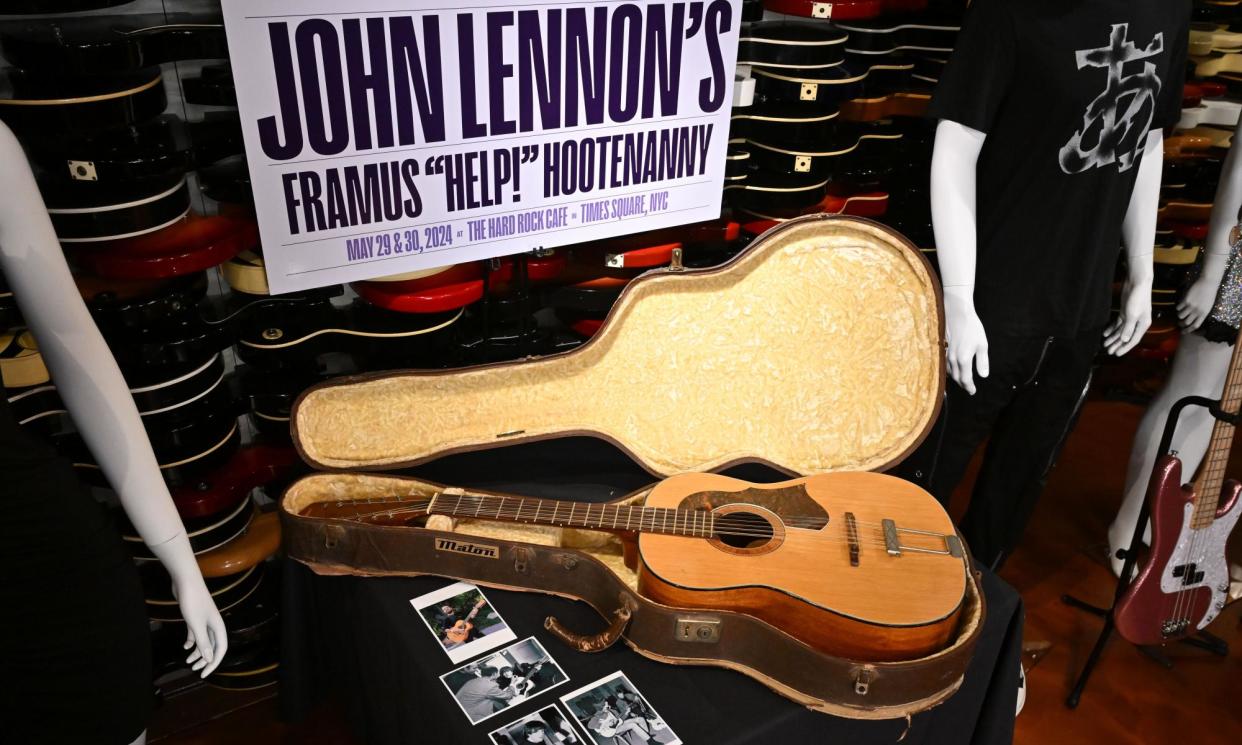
(816, 349)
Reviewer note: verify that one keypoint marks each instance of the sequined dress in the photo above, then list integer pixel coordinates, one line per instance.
(1223, 322)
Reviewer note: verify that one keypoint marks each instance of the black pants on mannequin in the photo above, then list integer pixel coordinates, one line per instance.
(1027, 406)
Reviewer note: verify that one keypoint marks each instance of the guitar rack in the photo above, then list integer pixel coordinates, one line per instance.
(1203, 640)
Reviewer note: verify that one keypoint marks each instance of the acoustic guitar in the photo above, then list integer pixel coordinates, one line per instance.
(856, 564)
(460, 632)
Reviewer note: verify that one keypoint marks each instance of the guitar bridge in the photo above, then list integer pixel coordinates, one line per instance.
(851, 532)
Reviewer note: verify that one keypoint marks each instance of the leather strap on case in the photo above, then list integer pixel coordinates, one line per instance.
(597, 643)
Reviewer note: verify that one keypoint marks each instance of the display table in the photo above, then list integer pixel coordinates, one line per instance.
(359, 640)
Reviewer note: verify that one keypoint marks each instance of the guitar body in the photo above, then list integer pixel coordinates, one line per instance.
(1185, 583)
(803, 580)
(460, 632)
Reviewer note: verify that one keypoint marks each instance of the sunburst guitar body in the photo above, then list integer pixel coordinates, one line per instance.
(861, 565)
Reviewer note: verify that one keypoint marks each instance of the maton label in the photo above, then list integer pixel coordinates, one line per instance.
(473, 549)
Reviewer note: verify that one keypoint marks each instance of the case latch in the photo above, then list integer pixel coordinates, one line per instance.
(697, 629)
(332, 535)
(521, 560)
(863, 677)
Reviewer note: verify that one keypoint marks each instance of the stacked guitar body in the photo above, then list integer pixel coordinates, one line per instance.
(816, 351)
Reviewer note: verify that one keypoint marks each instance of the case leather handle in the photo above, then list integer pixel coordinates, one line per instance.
(595, 643)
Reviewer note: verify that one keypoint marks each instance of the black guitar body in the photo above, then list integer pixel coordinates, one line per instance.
(164, 147)
(883, 36)
(213, 86)
(91, 211)
(90, 45)
(35, 7)
(787, 45)
(34, 102)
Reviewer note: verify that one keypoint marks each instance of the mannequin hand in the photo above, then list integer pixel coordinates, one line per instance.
(1194, 308)
(205, 632)
(968, 342)
(1127, 331)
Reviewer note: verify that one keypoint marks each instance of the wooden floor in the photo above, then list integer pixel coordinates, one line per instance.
(1131, 699)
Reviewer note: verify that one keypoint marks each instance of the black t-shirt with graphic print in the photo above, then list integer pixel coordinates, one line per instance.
(1066, 91)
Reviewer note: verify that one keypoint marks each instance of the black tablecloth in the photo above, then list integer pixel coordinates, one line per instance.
(359, 640)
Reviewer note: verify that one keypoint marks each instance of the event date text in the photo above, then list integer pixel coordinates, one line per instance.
(399, 242)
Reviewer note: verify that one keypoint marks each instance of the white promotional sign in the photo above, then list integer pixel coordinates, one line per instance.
(384, 137)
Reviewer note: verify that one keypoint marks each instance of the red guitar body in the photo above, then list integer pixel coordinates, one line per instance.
(1184, 584)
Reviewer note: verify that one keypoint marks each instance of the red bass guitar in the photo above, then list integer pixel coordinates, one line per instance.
(1185, 583)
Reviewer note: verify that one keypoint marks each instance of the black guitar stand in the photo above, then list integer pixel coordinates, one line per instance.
(1203, 640)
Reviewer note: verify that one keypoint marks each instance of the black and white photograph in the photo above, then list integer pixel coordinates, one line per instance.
(548, 725)
(613, 712)
(492, 684)
(462, 620)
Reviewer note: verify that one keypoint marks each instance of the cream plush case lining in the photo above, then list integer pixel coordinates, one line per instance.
(817, 349)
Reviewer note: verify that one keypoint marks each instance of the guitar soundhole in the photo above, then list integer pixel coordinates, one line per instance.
(743, 530)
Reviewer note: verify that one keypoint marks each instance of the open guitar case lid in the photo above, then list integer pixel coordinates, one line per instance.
(816, 349)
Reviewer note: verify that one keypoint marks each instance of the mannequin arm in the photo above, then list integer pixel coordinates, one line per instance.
(96, 395)
(1138, 234)
(1193, 310)
(953, 219)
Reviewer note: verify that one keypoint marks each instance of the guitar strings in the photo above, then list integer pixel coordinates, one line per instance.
(864, 540)
(1183, 598)
(518, 515)
(809, 522)
(689, 517)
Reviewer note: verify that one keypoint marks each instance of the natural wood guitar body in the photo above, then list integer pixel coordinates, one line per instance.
(459, 633)
(885, 608)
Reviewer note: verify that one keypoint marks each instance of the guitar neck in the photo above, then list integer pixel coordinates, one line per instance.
(1211, 477)
(695, 523)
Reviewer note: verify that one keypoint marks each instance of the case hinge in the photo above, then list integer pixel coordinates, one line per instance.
(863, 678)
(675, 263)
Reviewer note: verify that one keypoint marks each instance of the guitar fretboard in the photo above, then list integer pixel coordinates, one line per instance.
(696, 523)
(1212, 472)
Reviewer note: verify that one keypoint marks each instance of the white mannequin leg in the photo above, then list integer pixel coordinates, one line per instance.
(142, 739)
(1199, 369)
